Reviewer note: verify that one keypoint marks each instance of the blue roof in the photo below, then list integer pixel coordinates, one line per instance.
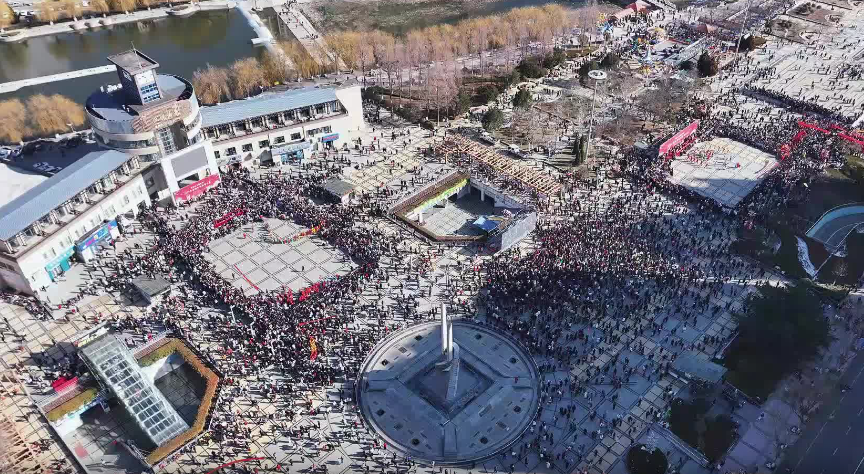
(264, 104)
(54, 191)
(486, 224)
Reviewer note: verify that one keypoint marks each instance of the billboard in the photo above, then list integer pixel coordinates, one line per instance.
(515, 232)
(678, 138)
(197, 188)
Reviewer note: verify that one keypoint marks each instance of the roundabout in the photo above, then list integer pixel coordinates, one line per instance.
(452, 393)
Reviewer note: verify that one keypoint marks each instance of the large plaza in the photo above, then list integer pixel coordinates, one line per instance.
(615, 300)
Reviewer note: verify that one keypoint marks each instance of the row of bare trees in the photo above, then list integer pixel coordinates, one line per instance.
(245, 77)
(40, 115)
(516, 29)
(51, 11)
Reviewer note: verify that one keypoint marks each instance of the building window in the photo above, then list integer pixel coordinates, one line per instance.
(231, 151)
(216, 154)
(263, 143)
(279, 140)
(295, 136)
(257, 122)
(166, 138)
(247, 147)
(149, 93)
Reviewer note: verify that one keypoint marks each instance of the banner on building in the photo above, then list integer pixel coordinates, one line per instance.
(314, 347)
(197, 188)
(679, 138)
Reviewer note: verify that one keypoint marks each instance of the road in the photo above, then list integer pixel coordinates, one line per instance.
(833, 446)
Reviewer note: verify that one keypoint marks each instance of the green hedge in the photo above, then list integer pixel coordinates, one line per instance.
(73, 404)
(160, 353)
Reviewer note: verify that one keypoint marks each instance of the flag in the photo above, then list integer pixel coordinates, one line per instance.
(314, 348)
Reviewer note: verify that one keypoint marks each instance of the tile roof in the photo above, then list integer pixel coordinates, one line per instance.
(39, 200)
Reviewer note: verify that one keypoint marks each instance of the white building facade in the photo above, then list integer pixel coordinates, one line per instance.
(283, 126)
(70, 216)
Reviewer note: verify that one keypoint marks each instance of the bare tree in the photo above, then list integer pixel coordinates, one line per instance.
(72, 8)
(246, 76)
(54, 114)
(47, 12)
(7, 15)
(274, 67)
(211, 84)
(121, 5)
(99, 6)
(13, 121)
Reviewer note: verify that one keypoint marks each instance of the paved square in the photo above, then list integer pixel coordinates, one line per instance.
(268, 265)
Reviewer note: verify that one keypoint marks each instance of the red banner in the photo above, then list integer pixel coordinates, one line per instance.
(63, 383)
(814, 127)
(679, 138)
(227, 218)
(197, 188)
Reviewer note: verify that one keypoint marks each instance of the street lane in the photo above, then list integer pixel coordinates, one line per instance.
(833, 446)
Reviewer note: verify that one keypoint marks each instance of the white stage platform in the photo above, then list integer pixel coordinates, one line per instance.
(722, 169)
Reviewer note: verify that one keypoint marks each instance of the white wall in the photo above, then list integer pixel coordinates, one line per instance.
(32, 262)
(169, 364)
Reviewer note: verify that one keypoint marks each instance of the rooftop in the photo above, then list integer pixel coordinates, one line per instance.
(692, 365)
(41, 199)
(264, 104)
(133, 61)
(111, 103)
(337, 187)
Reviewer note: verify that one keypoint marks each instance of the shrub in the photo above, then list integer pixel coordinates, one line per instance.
(640, 461)
(522, 99)
(611, 60)
(73, 404)
(556, 57)
(487, 93)
(159, 353)
(531, 67)
(203, 410)
(493, 119)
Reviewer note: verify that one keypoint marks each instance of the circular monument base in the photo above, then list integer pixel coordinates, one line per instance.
(451, 413)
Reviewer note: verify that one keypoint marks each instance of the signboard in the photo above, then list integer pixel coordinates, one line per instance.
(227, 218)
(197, 188)
(97, 236)
(679, 138)
(330, 138)
(60, 260)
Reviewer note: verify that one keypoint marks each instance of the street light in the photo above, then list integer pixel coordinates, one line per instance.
(598, 77)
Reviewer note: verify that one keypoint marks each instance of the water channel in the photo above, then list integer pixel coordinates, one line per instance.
(179, 45)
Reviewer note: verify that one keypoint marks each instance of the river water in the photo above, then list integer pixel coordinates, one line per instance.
(183, 45)
(179, 45)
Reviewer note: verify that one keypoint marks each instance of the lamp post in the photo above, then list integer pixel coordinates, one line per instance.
(598, 77)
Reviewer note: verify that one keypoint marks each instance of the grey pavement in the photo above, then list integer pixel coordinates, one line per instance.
(829, 443)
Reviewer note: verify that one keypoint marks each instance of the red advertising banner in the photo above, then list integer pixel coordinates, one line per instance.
(197, 188)
(679, 138)
(227, 218)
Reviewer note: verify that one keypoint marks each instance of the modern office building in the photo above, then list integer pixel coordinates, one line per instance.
(154, 117)
(283, 126)
(74, 212)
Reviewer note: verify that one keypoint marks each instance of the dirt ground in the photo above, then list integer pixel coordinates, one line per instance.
(400, 16)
